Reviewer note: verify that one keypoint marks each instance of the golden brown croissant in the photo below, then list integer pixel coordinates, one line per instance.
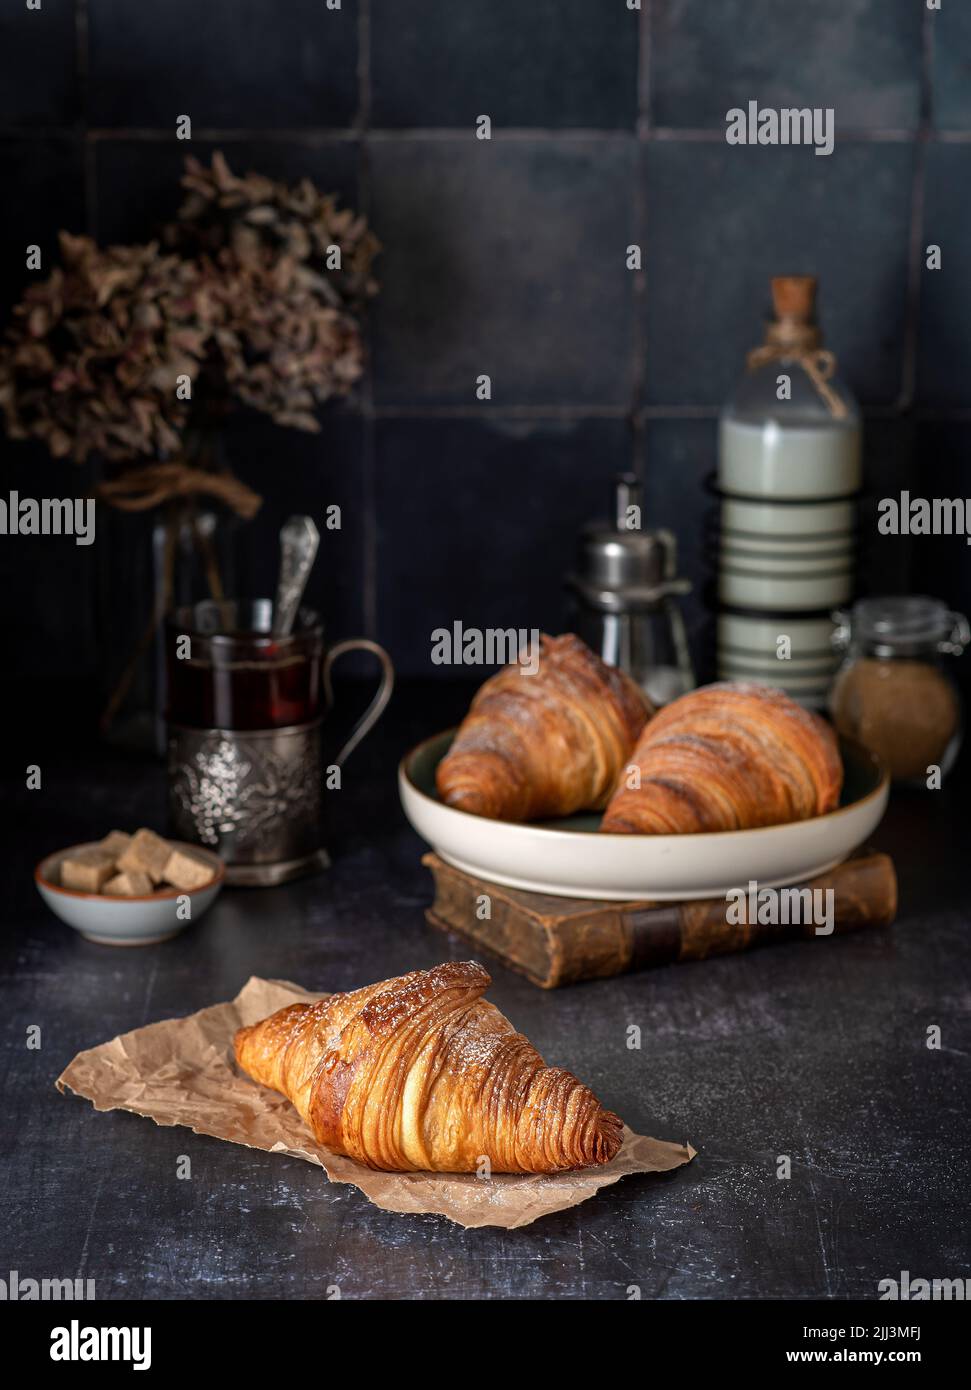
(420, 1072)
(545, 744)
(728, 757)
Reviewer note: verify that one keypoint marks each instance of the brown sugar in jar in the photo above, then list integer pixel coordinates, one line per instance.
(892, 693)
(906, 712)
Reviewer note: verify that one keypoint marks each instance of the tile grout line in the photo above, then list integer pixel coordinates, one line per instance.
(616, 412)
(89, 195)
(908, 371)
(700, 135)
(491, 411)
(82, 72)
(639, 289)
(369, 575)
(316, 135)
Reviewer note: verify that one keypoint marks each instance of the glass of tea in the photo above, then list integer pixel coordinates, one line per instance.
(244, 713)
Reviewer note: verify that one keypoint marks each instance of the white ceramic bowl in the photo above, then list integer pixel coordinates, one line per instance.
(568, 858)
(816, 520)
(112, 921)
(747, 589)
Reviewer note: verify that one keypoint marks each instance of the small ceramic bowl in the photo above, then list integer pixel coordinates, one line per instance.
(112, 921)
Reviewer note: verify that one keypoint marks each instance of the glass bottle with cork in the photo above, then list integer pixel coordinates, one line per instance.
(796, 438)
(789, 470)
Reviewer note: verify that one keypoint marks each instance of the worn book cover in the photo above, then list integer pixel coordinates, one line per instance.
(556, 941)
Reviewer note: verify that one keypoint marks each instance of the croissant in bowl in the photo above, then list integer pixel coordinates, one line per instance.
(730, 756)
(547, 743)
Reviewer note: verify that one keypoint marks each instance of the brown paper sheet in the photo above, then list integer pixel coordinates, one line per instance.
(182, 1072)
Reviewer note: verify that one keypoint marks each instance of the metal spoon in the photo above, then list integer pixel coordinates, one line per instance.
(299, 539)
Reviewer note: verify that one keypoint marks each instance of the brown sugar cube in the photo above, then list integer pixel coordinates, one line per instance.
(130, 884)
(186, 872)
(148, 853)
(85, 870)
(115, 844)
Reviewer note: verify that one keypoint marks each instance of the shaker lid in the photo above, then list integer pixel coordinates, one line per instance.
(621, 567)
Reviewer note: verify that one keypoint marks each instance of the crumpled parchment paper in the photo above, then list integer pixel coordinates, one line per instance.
(182, 1072)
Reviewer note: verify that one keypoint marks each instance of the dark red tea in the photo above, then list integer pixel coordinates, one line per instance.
(226, 677)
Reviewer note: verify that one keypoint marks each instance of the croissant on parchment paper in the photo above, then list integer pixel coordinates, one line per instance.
(545, 743)
(731, 756)
(420, 1072)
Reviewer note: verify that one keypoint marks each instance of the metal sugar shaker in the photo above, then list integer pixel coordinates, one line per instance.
(626, 588)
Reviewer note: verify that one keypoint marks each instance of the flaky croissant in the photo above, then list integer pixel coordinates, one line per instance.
(727, 757)
(420, 1072)
(544, 744)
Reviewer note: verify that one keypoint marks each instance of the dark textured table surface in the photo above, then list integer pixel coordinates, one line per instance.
(814, 1050)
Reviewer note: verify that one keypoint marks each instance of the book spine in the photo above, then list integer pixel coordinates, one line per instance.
(488, 920)
(610, 940)
(864, 894)
(550, 951)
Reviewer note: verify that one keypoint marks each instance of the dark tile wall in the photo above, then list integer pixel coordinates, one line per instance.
(720, 220)
(41, 85)
(225, 63)
(549, 63)
(944, 371)
(504, 258)
(476, 519)
(857, 56)
(507, 257)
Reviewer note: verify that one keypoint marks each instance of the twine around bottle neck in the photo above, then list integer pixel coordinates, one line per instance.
(794, 340)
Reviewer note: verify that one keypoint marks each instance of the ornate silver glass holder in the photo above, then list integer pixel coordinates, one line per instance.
(253, 796)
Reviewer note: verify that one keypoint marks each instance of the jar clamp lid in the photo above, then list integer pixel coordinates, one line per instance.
(901, 626)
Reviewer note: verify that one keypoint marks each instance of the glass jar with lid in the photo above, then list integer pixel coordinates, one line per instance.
(894, 692)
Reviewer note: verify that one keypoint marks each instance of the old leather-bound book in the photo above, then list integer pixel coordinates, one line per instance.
(557, 941)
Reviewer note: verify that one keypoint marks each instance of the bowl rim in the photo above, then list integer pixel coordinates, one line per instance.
(702, 837)
(166, 895)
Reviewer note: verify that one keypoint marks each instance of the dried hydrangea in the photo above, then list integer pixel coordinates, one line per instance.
(289, 270)
(92, 359)
(247, 301)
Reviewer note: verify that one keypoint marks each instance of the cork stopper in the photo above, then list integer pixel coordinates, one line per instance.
(794, 297)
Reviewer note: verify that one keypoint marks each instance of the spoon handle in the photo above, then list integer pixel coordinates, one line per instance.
(299, 539)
